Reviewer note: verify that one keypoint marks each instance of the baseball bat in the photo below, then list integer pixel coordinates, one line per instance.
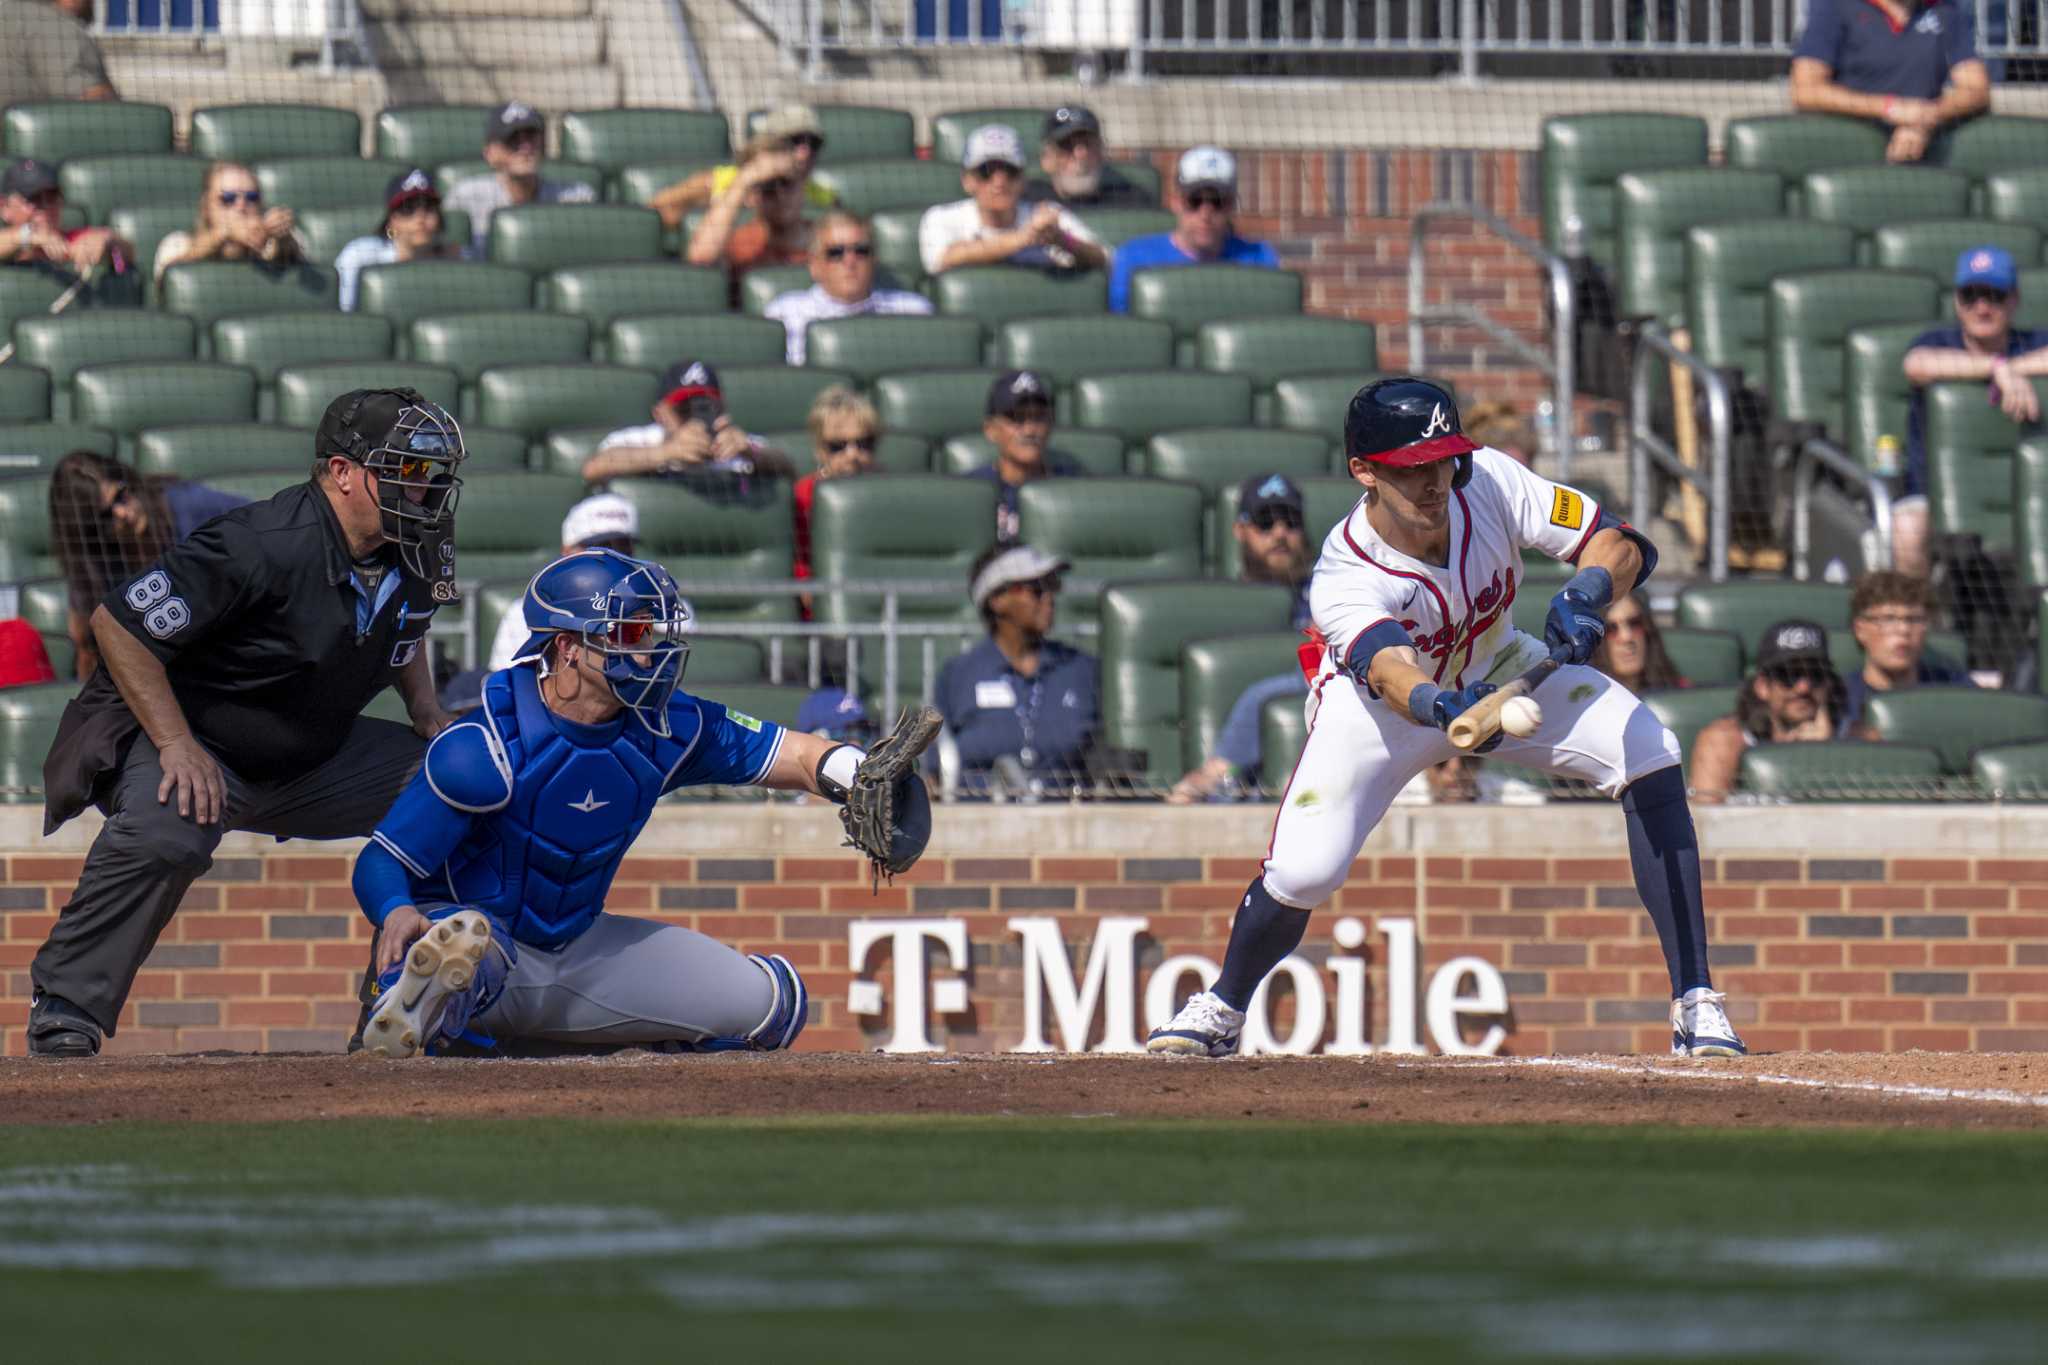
(1482, 721)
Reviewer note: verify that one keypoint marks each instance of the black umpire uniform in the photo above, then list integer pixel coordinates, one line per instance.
(273, 639)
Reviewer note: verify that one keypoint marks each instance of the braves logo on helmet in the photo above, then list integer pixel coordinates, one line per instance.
(1407, 422)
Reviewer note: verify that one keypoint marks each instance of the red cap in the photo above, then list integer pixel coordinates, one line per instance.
(23, 660)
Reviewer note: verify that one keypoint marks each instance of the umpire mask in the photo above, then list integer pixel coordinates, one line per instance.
(413, 447)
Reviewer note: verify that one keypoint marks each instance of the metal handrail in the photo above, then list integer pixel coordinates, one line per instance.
(1645, 445)
(1558, 365)
(1817, 454)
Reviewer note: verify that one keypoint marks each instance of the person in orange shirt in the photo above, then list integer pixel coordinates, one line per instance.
(770, 184)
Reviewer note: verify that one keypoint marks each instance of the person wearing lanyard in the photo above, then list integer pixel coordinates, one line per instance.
(233, 674)
(1019, 694)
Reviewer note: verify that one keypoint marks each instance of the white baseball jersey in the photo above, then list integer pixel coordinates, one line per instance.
(1456, 613)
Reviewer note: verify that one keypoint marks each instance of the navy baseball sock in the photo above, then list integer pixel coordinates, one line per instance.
(1263, 932)
(1665, 851)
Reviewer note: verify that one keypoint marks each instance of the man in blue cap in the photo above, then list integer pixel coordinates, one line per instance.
(1983, 345)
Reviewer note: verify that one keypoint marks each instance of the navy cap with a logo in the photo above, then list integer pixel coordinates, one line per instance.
(1014, 389)
(509, 118)
(1262, 491)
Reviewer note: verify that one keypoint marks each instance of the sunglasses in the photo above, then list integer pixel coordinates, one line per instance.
(989, 170)
(864, 444)
(48, 199)
(801, 140)
(631, 632)
(527, 137)
(781, 184)
(230, 198)
(1981, 293)
(116, 495)
(1209, 199)
(1029, 412)
(1042, 587)
(1266, 518)
(860, 251)
(1791, 675)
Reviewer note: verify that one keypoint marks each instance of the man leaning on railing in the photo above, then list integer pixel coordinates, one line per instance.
(1913, 67)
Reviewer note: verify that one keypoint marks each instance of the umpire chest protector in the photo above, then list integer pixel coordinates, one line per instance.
(565, 801)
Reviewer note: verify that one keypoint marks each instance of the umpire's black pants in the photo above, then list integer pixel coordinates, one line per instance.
(147, 854)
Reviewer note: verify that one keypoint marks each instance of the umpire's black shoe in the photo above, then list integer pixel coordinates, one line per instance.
(58, 1028)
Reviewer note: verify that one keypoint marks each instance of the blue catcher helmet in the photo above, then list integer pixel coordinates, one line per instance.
(628, 612)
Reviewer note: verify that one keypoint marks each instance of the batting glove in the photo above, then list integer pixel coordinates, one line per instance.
(1577, 621)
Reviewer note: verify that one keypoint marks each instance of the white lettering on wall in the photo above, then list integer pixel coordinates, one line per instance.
(1444, 1005)
(1112, 959)
(907, 1020)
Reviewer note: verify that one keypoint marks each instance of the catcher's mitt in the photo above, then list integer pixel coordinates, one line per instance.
(887, 814)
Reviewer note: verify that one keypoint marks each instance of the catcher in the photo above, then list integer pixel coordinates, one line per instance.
(487, 879)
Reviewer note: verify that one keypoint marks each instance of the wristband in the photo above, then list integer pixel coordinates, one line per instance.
(836, 772)
(1890, 103)
(1422, 702)
(1593, 583)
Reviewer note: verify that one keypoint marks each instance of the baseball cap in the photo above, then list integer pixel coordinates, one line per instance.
(603, 516)
(509, 118)
(1793, 642)
(1206, 166)
(1987, 265)
(29, 177)
(788, 121)
(993, 142)
(1013, 389)
(686, 379)
(1020, 563)
(835, 711)
(1069, 119)
(1261, 491)
(360, 421)
(414, 184)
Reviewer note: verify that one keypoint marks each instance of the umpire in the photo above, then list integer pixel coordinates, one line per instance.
(233, 674)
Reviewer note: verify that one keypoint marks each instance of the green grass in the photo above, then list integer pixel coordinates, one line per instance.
(984, 1240)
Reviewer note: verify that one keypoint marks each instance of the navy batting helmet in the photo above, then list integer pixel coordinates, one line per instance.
(1405, 422)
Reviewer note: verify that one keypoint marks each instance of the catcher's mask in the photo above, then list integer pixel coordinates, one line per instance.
(629, 612)
(412, 447)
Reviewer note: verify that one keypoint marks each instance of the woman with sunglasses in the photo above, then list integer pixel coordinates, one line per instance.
(411, 231)
(845, 430)
(232, 225)
(107, 523)
(1632, 651)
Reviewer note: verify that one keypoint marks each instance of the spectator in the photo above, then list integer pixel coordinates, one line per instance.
(1794, 694)
(1203, 199)
(1497, 424)
(24, 662)
(32, 215)
(1890, 613)
(513, 137)
(411, 231)
(603, 521)
(995, 224)
(691, 431)
(1019, 703)
(835, 713)
(842, 282)
(778, 235)
(108, 523)
(1070, 153)
(1983, 345)
(1911, 66)
(1632, 651)
(51, 54)
(1018, 423)
(794, 128)
(232, 225)
(845, 429)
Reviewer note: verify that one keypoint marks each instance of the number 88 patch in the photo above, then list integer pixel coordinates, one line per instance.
(162, 614)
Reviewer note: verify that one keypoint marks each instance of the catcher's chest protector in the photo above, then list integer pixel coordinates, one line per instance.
(544, 862)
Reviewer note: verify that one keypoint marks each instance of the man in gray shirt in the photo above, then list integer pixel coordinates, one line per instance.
(49, 56)
(513, 135)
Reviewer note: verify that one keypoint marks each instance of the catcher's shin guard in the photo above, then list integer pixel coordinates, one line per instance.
(788, 1011)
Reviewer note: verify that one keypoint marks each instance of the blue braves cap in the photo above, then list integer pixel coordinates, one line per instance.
(1987, 265)
(833, 710)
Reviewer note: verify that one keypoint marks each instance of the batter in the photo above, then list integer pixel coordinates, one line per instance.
(1410, 600)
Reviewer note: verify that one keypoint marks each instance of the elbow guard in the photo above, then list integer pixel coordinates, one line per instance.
(1609, 522)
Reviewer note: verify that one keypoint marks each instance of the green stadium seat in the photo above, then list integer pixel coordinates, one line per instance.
(25, 531)
(506, 524)
(1653, 212)
(304, 391)
(1063, 349)
(1878, 391)
(1101, 453)
(935, 404)
(128, 396)
(324, 231)
(28, 726)
(2012, 772)
(321, 182)
(2030, 511)
(45, 443)
(490, 601)
(207, 290)
(1955, 721)
(1866, 198)
(489, 448)
(1114, 227)
(1687, 711)
(202, 449)
(263, 132)
(776, 703)
(1932, 246)
(765, 397)
(1270, 349)
(1215, 672)
(1145, 626)
(1704, 658)
(2016, 195)
(1971, 472)
(705, 541)
(564, 449)
(616, 289)
(654, 341)
(63, 343)
(58, 130)
(762, 286)
(144, 227)
(615, 138)
(1795, 144)
(1141, 404)
(950, 131)
(267, 342)
(470, 343)
(1745, 608)
(1215, 456)
(430, 134)
(417, 289)
(1841, 770)
(25, 390)
(1283, 730)
(45, 603)
(714, 660)
(997, 294)
(898, 452)
(1810, 315)
(869, 346)
(534, 399)
(26, 293)
(2033, 305)
(449, 174)
(858, 132)
(896, 254)
(901, 527)
(1188, 296)
(1112, 529)
(96, 185)
(1991, 143)
(1585, 154)
(540, 237)
(641, 181)
(871, 186)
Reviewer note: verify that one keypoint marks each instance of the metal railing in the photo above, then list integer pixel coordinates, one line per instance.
(1816, 456)
(1646, 447)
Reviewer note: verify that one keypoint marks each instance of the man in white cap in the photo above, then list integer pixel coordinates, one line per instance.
(995, 225)
(604, 521)
(1203, 198)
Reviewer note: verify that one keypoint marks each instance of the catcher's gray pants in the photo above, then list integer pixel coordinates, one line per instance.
(147, 854)
(626, 980)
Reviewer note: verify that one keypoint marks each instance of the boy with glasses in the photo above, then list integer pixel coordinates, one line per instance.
(1794, 695)
(513, 138)
(843, 283)
(1891, 613)
(1203, 199)
(996, 224)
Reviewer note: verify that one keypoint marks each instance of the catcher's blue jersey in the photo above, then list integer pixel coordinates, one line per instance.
(525, 816)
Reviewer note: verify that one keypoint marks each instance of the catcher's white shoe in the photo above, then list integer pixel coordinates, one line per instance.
(1205, 1027)
(1700, 1027)
(412, 1012)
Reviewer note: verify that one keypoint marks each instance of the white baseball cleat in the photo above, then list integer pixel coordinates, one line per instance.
(1700, 1027)
(1205, 1027)
(411, 1012)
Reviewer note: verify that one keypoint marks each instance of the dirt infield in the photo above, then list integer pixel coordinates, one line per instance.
(1788, 1089)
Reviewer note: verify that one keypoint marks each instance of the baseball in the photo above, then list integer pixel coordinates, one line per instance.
(1520, 716)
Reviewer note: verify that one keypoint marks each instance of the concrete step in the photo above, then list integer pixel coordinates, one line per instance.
(417, 11)
(496, 42)
(552, 89)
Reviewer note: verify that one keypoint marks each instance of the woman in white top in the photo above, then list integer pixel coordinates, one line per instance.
(232, 224)
(411, 231)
